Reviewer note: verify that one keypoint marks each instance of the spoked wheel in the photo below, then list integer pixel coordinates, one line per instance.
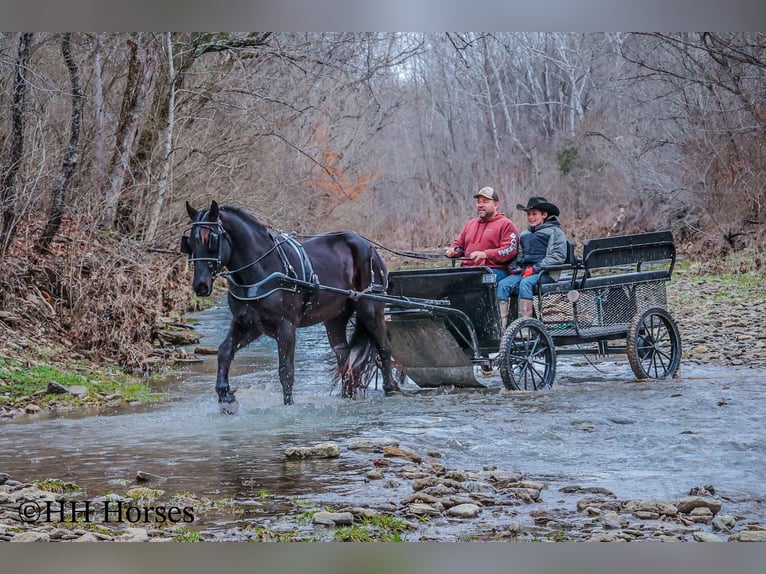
(527, 356)
(654, 344)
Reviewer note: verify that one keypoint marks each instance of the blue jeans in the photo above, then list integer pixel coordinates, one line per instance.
(524, 288)
(499, 273)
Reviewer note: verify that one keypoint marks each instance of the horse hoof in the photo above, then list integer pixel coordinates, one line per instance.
(396, 391)
(229, 408)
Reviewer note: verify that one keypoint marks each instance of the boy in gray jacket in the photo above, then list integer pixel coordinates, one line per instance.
(542, 244)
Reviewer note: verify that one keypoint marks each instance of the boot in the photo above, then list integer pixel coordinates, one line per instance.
(525, 308)
(503, 314)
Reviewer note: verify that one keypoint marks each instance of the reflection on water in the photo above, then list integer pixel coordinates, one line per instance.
(647, 439)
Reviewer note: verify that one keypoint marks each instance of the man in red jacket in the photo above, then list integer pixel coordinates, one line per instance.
(490, 239)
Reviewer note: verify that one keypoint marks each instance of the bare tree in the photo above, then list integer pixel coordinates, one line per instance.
(8, 191)
(140, 73)
(58, 193)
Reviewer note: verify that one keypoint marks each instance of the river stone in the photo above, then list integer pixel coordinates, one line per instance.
(724, 522)
(612, 520)
(422, 509)
(373, 475)
(321, 450)
(142, 476)
(332, 518)
(396, 452)
(78, 391)
(749, 536)
(689, 503)
(464, 510)
(706, 537)
(31, 536)
(87, 537)
(32, 409)
(4, 476)
(502, 476)
(362, 512)
(54, 388)
(372, 444)
(133, 535)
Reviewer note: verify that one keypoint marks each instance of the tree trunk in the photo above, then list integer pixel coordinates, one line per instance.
(140, 75)
(70, 160)
(8, 191)
(99, 136)
(162, 186)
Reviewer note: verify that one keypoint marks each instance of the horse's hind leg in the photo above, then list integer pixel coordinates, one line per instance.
(236, 338)
(336, 335)
(372, 316)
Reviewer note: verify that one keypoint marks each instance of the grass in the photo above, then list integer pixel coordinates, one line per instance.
(383, 528)
(23, 382)
(56, 486)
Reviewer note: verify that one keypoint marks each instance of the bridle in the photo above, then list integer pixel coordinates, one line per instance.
(214, 243)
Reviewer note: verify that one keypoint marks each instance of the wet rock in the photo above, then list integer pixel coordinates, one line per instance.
(360, 512)
(133, 535)
(707, 490)
(701, 514)
(525, 494)
(87, 537)
(502, 477)
(78, 391)
(464, 511)
(322, 450)
(4, 477)
(613, 521)
(646, 514)
(528, 485)
(333, 518)
(32, 409)
(602, 536)
(689, 503)
(724, 522)
(54, 388)
(748, 536)
(142, 476)
(421, 509)
(421, 497)
(373, 475)
(372, 444)
(702, 536)
(396, 452)
(201, 350)
(31, 536)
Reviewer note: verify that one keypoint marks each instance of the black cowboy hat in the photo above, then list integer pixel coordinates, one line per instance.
(539, 203)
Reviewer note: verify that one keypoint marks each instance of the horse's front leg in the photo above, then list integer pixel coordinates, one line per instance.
(235, 339)
(286, 346)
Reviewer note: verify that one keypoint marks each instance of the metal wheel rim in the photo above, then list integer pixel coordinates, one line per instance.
(656, 346)
(530, 358)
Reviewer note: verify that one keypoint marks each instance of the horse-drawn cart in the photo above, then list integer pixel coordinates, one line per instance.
(441, 323)
(444, 322)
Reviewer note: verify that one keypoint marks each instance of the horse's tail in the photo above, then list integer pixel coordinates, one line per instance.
(360, 367)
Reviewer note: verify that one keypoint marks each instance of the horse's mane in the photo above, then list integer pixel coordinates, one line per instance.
(241, 214)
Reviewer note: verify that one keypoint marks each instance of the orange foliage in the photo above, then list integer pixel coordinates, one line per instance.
(329, 180)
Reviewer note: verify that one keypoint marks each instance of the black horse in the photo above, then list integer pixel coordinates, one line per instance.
(277, 285)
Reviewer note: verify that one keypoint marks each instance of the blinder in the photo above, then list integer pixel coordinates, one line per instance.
(186, 245)
(213, 244)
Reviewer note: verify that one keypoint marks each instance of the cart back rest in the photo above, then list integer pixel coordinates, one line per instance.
(473, 290)
(628, 259)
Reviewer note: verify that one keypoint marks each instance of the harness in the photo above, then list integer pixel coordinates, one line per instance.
(287, 281)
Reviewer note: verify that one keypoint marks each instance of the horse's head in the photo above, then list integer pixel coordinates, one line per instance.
(206, 247)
